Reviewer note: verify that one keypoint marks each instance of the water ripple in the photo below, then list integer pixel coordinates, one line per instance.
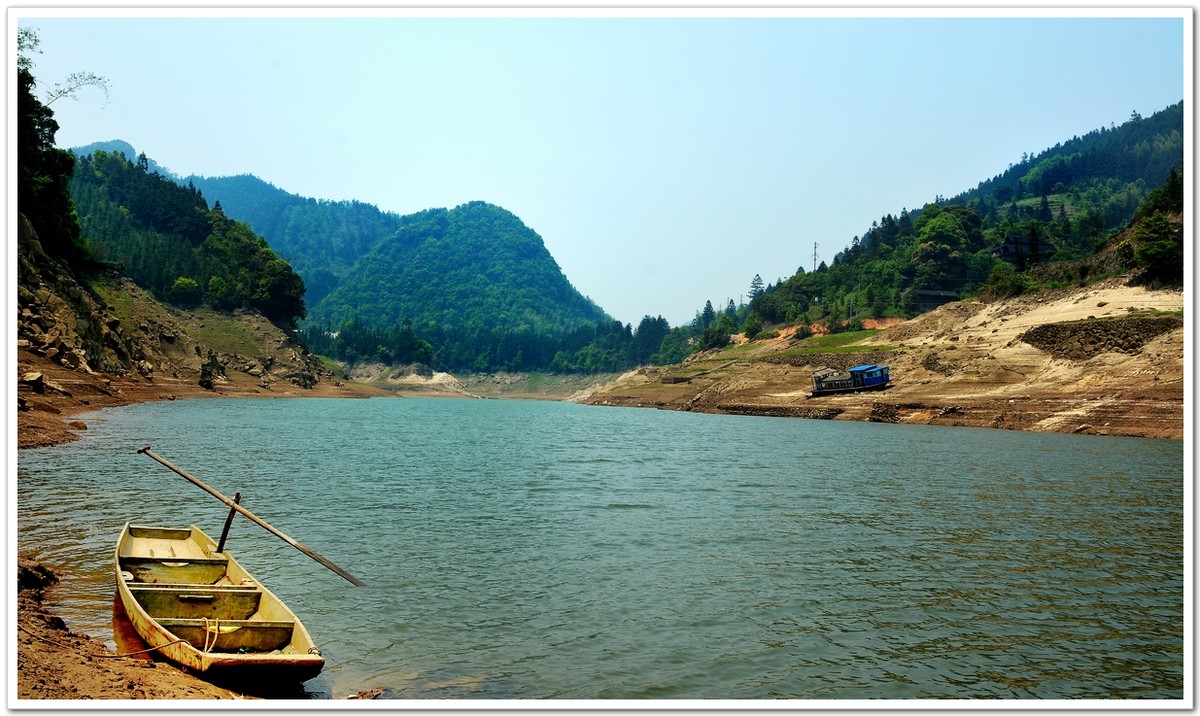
(545, 550)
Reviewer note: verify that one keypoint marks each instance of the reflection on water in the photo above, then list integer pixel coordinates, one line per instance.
(547, 550)
(124, 637)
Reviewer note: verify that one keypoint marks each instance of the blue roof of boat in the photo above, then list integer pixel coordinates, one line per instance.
(865, 367)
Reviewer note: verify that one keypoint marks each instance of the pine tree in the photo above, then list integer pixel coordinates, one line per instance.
(756, 287)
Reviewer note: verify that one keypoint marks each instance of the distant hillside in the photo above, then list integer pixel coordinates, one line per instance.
(125, 149)
(1059, 207)
(470, 280)
(322, 239)
(472, 286)
(476, 286)
(173, 244)
(474, 281)
(1141, 152)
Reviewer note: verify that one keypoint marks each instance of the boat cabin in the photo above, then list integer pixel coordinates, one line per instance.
(867, 376)
(860, 377)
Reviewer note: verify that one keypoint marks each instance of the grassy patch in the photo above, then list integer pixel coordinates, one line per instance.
(733, 352)
(219, 331)
(222, 333)
(119, 302)
(332, 366)
(838, 340)
(837, 343)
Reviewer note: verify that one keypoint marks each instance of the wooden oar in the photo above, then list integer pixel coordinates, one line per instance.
(234, 505)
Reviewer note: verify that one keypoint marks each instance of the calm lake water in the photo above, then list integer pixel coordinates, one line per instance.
(541, 550)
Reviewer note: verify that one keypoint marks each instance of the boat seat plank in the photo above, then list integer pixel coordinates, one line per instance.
(175, 570)
(174, 560)
(197, 601)
(231, 635)
(168, 587)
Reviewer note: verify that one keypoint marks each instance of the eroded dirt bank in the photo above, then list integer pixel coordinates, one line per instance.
(1105, 360)
(51, 397)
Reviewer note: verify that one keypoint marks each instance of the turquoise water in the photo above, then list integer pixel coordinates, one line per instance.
(541, 550)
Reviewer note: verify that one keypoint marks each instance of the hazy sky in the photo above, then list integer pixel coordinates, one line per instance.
(664, 160)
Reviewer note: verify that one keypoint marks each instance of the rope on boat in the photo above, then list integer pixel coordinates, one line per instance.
(98, 656)
(215, 629)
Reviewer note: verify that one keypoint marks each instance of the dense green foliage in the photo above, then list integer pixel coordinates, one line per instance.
(474, 282)
(321, 239)
(1157, 240)
(354, 342)
(1100, 178)
(481, 287)
(43, 172)
(171, 243)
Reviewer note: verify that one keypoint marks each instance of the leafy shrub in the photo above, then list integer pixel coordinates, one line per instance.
(186, 292)
(1003, 282)
(1158, 246)
(753, 326)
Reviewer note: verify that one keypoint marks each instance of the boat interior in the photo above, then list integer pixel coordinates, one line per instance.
(201, 595)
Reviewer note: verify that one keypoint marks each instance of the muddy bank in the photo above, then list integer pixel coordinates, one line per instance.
(56, 663)
(50, 396)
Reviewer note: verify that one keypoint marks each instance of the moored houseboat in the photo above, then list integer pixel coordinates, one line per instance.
(829, 381)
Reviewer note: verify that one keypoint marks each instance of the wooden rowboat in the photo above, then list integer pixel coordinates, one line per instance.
(205, 612)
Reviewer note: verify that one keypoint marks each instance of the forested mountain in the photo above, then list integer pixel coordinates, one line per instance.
(322, 239)
(171, 242)
(464, 288)
(1141, 153)
(473, 284)
(474, 281)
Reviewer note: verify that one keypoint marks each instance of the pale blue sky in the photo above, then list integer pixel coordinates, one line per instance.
(664, 161)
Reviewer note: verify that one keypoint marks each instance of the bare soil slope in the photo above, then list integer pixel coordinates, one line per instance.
(1105, 359)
